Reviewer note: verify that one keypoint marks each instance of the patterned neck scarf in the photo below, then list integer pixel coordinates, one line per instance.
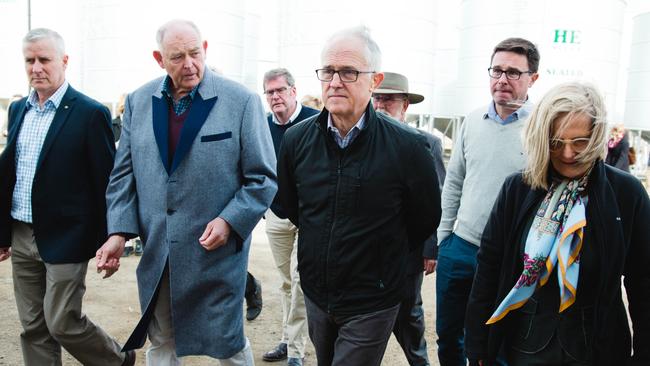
(555, 237)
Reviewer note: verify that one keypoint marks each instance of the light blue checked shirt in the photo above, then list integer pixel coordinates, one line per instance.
(343, 142)
(28, 149)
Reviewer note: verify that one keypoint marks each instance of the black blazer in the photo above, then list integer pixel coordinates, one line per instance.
(617, 237)
(68, 193)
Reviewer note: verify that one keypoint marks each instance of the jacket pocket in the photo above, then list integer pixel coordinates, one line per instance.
(524, 318)
(350, 190)
(216, 137)
(531, 331)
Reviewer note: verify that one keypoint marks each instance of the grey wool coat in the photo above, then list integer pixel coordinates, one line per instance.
(224, 166)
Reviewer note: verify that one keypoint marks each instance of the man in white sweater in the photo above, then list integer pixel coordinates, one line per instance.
(487, 150)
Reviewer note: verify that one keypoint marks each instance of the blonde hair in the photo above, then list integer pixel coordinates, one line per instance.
(562, 103)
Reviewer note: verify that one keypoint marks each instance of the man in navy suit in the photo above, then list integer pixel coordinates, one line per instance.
(53, 177)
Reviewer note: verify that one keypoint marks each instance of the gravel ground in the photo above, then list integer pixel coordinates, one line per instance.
(113, 305)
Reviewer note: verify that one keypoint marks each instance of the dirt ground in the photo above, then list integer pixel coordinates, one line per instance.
(113, 305)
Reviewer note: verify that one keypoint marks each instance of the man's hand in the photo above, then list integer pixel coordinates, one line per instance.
(5, 253)
(108, 256)
(216, 234)
(429, 266)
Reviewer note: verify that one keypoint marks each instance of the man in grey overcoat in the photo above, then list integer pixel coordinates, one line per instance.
(194, 172)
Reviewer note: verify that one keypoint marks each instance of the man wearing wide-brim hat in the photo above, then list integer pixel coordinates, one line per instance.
(393, 98)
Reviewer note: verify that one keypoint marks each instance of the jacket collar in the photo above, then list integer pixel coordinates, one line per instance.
(208, 88)
(369, 123)
(65, 108)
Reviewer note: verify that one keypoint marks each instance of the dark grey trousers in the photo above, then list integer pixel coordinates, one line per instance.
(409, 325)
(349, 340)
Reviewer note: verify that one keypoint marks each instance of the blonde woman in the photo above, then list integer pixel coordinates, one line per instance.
(618, 149)
(560, 236)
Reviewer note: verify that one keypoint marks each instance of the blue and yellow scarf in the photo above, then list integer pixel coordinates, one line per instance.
(555, 237)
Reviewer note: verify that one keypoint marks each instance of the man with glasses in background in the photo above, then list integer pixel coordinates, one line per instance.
(361, 188)
(280, 91)
(488, 149)
(393, 98)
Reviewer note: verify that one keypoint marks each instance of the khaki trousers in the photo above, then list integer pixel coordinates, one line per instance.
(48, 297)
(282, 235)
(162, 351)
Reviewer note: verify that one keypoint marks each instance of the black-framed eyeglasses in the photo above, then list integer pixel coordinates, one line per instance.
(346, 76)
(280, 91)
(578, 144)
(511, 74)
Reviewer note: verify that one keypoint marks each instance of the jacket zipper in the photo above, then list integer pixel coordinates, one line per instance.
(329, 244)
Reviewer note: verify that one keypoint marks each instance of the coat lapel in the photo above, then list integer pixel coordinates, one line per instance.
(533, 197)
(60, 118)
(195, 119)
(160, 120)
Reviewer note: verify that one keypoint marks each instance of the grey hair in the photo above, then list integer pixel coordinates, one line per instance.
(38, 34)
(562, 103)
(160, 34)
(276, 73)
(372, 51)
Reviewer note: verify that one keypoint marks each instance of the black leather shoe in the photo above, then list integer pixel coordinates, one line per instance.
(279, 353)
(129, 358)
(254, 301)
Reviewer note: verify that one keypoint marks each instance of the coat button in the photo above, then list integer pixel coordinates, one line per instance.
(170, 211)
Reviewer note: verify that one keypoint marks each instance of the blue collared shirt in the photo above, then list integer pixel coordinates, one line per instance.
(181, 105)
(343, 142)
(520, 113)
(32, 134)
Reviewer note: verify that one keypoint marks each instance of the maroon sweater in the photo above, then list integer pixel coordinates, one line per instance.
(174, 128)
